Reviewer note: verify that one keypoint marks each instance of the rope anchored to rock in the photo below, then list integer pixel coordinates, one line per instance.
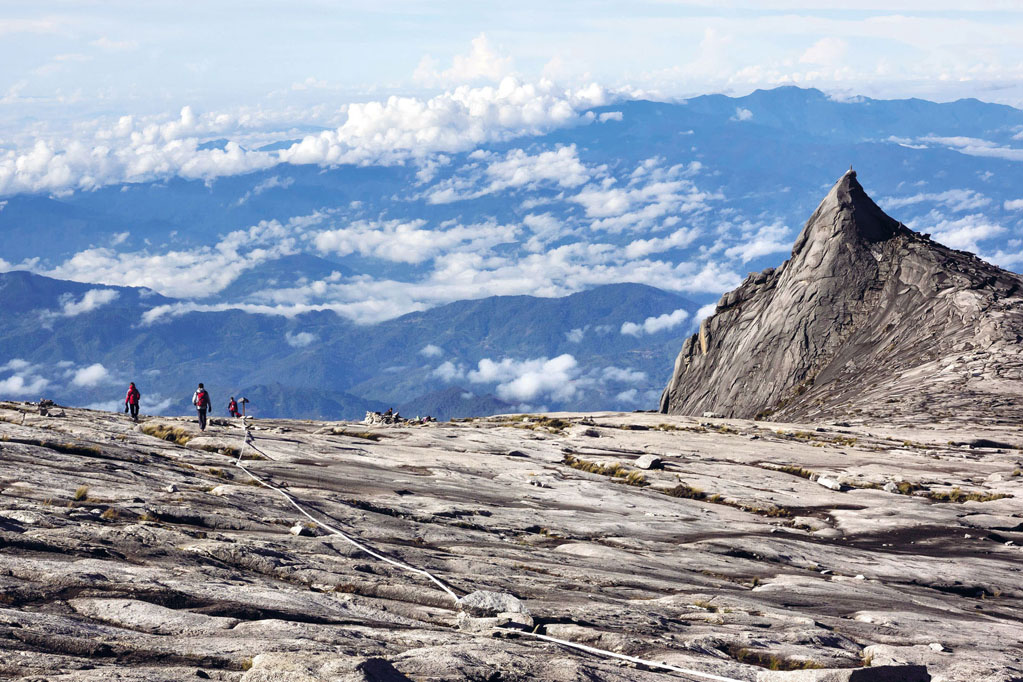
(250, 441)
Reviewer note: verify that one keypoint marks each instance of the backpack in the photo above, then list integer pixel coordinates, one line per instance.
(202, 399)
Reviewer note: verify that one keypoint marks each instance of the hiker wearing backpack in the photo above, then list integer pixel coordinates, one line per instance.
(131, 401)
(202, 402)
(232, 408)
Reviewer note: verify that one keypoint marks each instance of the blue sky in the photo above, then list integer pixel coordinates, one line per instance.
(71, 58)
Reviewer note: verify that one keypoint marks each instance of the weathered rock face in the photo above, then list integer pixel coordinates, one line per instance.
(126, 556)
(867, 319)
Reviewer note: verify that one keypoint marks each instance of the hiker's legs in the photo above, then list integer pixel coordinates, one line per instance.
(202, 420)
(134, 410)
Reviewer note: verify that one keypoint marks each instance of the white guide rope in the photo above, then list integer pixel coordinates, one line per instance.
(340, 534)
(334, 531)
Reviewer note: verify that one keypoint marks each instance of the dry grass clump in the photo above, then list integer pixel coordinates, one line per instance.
(171, 434)
(907, 488)
(365, 435)
(82, 494)
(795, 471)
(767, 660)
(614, 470)
(956, 495)
(687, 492)
(535, 422)
(109, 514)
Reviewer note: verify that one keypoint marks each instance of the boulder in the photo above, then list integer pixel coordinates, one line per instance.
(648, 462)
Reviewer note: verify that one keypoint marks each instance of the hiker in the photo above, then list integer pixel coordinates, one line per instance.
(131, 401)
(232, 408)
(202, 402)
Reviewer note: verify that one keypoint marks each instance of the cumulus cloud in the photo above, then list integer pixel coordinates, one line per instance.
(129, 151)
(194, 273)
(516, 169)
(610, 116)
(482, 63)
(652, 325)
(760, 240)
(408, 242)
(92, 375)
(300, 340)
(826, 51)
(742, 114)
(456, 121)
(25, 379)
(576, 335)
(92, 299)
(963, 233)
(449, 371)
(523, 380)
(431, 351)
(1013, 205)
(704, 312)
(678, 239)
(139, 149)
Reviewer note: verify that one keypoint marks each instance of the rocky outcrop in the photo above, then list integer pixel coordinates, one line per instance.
(867, 319)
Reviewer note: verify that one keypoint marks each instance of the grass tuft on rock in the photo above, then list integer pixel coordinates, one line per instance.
(171, 434)
(614, 470)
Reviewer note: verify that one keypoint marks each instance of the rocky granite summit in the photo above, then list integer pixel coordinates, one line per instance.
(753, 551)
(868, 320)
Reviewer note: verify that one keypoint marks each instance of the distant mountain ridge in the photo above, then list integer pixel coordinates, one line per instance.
(322, 365)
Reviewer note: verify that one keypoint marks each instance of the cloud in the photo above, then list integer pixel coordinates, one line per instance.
(300, 340)
(24, 380)
(140, 149)
(953, 199)
(652, 325)
(963, 233)
(973, 146)
(524, 380)
(576, 335)
(92, 299)
(431, 351)
(653, 197)
(408, 242)
(704, 312)
(760, 240)
(91, 376)
(742, 114)
(460, 120)
(1013, 205)
(449, 371)
(623, 375)
(678, 239)
(517, 169)
(106, 44)
(627, 396)
(194, 273)
(481, 64)
(826, 51)
(610, 116)
(273, 182)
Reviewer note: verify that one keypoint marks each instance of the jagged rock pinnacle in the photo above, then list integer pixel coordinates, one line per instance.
(851, 322)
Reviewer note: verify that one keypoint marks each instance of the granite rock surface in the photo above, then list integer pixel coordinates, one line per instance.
(127, 555)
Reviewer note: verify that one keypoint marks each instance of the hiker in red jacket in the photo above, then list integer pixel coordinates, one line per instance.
(202, 402)
(131, 401)
(232, 408)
